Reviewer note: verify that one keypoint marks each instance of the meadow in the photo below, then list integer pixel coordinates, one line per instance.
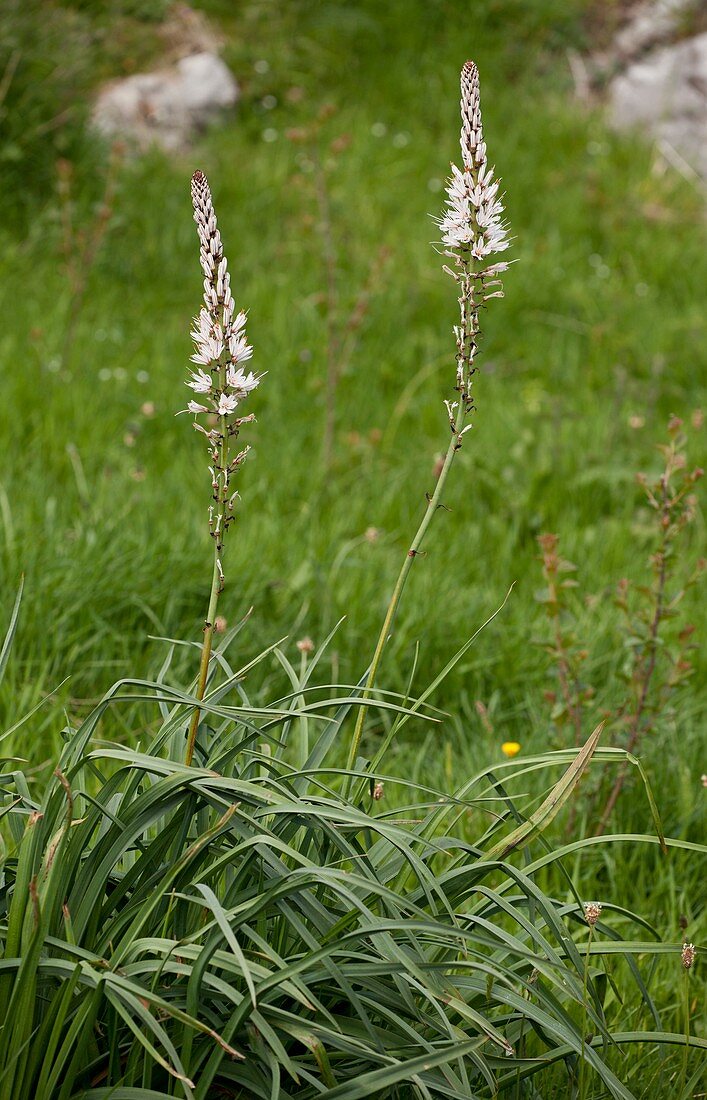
(324, 183)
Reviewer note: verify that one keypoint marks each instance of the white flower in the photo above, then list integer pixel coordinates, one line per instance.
(240, 381)
(195, 407)
(239, 348)
(200, 381)
(226, 404)
(202, 326)
(497, 269)
(473, 216)
(238, 323)
(208, 337)
(223, 283)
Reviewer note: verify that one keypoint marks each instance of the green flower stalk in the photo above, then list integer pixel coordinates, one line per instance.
(473, 230)
(592, 912)
(687, 958)
(221, 383)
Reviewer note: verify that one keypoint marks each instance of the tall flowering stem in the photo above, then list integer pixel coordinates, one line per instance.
(221, 384)
(472, 230)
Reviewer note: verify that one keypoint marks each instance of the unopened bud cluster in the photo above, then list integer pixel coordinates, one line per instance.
(472, 230)
(221, 349)
(592, 912)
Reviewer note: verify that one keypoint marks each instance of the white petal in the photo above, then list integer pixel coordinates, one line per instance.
(200, 382)
(239, 348)
(226, 404)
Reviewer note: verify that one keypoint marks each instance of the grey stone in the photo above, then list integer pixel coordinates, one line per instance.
(651, 24)
(665, 94)
(167, 107)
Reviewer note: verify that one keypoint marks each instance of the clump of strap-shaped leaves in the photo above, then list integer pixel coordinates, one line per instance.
(241, 928)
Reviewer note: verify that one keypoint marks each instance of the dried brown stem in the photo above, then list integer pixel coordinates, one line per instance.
(81, 251)
(635, 728)
(332, 339)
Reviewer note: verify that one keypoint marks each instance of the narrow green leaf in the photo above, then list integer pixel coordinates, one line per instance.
(552, 804)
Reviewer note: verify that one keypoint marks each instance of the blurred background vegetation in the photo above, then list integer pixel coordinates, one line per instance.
(348, 117)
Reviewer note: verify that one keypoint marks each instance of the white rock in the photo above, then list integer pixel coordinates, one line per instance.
(167, 108)
(651, 24)
(665, 93)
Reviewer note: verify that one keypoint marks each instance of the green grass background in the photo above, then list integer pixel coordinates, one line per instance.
(104, 508)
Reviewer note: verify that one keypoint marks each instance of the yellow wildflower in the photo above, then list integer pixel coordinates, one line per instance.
(510, 748)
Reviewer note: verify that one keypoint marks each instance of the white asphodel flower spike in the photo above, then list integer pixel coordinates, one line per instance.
(473, 230)
(221, 346)
(473, 219)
